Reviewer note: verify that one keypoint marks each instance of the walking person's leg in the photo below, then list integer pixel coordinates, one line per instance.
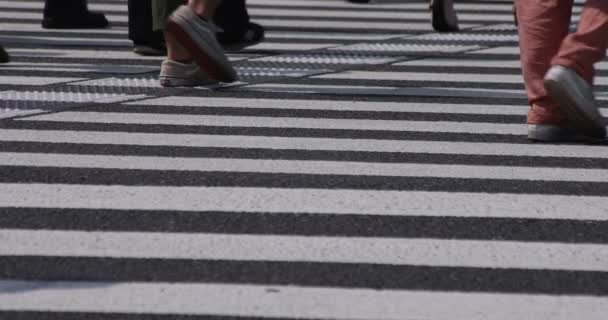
(71, 14)
(570, 79)
(194, 57)
(443, 15)
(146, 41)
(238, 31)
(542, 27)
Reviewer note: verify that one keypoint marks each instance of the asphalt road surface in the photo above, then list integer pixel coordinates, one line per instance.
(364, 168)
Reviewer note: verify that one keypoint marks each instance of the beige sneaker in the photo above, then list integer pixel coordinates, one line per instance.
(575, 98)
(197, 35)
(176, 74)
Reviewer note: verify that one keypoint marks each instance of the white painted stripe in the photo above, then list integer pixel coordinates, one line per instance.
(350, 105)
(317, 201)
(351, 90)
(324, 58)
(406, 47)
(424, 76)
(303, 167)
(330, 36)
(285, 302)
(388, 6)
(36, 27)
(363, 15)
(11, 14)
(291, 46)
(468, 36)
(94, 55)
(499, 50)
(486, 6)
(282, 122)
(35, 81)
(366, 145)
(62, 96)
(275, 22)
(65, 41)
(9, 113)
(73, 67)
(40, 5)
(200, 246)
(434, 76)
(342, 25)
(80, 54)
(475, 63)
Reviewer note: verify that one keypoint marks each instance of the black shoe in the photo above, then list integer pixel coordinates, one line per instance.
(85, 20)
(153, 50)
(358, 1)
(4, 58)
(251, 35)
(444, 18)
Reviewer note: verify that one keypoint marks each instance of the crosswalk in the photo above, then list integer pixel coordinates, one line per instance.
(364, 167)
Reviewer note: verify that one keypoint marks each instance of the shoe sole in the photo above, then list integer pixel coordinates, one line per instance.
(546, 133)
(214, 67)
(172, 82)
(438, 20)
(589, 126)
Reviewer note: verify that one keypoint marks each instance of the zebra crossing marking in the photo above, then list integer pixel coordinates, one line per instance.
(288, 182)
(299, 143)
(281, 122)
(419, 252)
(335, 105)
(290, 301)
(303, 167)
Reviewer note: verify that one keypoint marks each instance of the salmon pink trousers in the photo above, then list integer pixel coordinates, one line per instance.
(545, 40)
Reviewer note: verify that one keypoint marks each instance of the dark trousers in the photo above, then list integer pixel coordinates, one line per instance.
(55, 8)
(231, 15)
(140, 24)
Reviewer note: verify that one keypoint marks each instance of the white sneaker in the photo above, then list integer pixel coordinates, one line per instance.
(198, 37)
(176, 74)
(575, 98)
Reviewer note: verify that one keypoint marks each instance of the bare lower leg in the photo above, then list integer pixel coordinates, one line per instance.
(176, 51)
(203, 8)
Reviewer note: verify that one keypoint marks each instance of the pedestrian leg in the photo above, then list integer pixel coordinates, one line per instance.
(238, 31)
(570, 79)
(71, 14)
(146, 41)
(542, 27)
(190, 37)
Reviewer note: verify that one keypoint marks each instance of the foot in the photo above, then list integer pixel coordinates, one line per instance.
(4, 58)
(84, 20)
(198, 37)
(252, 35)
(176, 74)
(553, 133)
(575, 98)
(443, 16)
(156, 50)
